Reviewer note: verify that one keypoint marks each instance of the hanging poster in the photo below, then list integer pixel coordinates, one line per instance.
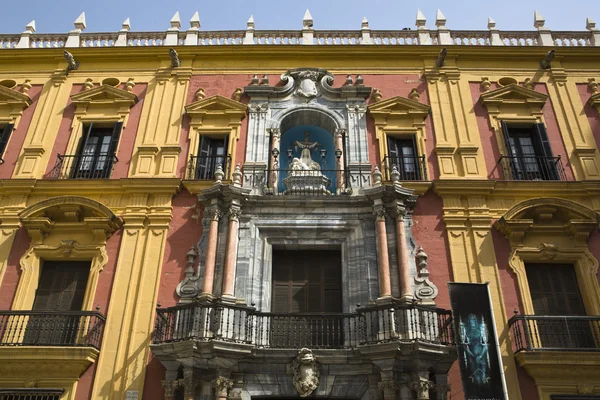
(477, 342)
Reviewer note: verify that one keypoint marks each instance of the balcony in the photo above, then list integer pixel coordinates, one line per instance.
(51, 328)
(204, 167)
(58, 346)
(532, 168)
(244, 325)
(407, 168)
(86, 166)
(555, 333)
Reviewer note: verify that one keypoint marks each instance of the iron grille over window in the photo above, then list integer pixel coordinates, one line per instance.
(403, 157)
(212, 152)
(31, 394)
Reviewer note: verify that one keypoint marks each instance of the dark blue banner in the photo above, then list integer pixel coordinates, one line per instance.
(476, 340)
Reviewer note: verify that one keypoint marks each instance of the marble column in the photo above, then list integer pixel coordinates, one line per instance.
(274, 158)
(402, 253)
(388, 385)
(383, 261)
(222, 386)
(211, 252)
(188, 383)
(339, 147)
(231, 251)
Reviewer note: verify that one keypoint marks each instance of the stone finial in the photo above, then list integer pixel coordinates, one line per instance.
(348, 81)
(264, 81)
(237, 95)
(414, 94)
(364, 24)
(360, 80)
(219, 174)
(30, 27)
(485, 83)
(377, 175)
(195, 21)
(199, 94)
(395, 175)
(80, 22)
(129, 84)
(126, 26)
(25, 86)
(425, 290)
(307, 21)
(237, 176)
(491, 24)
(254, 80)
(421, 20)
(593, 85)
(528, 83)
(175, 22)
(89, 83)
(440, 19)
(249, 36)
(590, 24)
(538, 20)
(377, 95)
(250, 23)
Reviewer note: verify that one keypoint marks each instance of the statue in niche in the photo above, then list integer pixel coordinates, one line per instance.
(305, 372)
(307, 87)
(305, 156)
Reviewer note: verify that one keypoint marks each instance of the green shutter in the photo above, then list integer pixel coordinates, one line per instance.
(5, 135)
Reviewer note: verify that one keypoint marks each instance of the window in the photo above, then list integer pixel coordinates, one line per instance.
(31, 394)
(402, 153)
(96, 152)
(5, 132)
(61, 288)
(211, 152)
(529, 153)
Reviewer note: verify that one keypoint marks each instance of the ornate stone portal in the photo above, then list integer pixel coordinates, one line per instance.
(306, 374)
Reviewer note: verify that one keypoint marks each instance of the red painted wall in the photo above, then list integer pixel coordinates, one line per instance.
(17, 137)
(225, 86)
(590, 112)
(13, 269)
(489, 143)
(184, 232)
(126, 141)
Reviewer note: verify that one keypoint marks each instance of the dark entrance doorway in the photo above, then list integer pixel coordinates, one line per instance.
(307, 299)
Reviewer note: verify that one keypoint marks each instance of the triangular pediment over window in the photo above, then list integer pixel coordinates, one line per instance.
(216, 105)
(104, 94)
(398, 106)
(514, 94)
(13, 98)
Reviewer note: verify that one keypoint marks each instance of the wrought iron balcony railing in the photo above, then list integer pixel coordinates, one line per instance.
(204, 167)
(407, 168)
(206, 322)
(555, 333)
(532, 168)
(83, 166)
(51, 328)
(31, 394)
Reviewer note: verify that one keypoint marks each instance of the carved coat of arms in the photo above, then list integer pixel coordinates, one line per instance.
(305, 372)
(307, 85)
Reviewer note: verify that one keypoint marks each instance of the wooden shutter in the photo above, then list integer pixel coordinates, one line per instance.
(554, 289)
(543, 149)
(393, 151)
(4, 136)
(506, 134)
(62, 286)
(84, 138)
(116, 135)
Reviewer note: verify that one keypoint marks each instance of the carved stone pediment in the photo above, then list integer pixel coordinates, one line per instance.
(216, 106)
(306, 84)
(104, 94)
(399, 107)
(12, 98)
(513, 93)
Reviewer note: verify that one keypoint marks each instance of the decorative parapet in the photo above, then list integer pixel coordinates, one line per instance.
(542, 36)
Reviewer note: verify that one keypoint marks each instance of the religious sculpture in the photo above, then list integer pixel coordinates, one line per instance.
(474, 337)
(307, 146)
(305, 372)
(305, 174)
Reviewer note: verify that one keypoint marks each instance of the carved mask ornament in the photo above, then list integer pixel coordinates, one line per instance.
(305, 370)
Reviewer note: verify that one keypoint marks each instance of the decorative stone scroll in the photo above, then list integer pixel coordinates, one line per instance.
(425, 290)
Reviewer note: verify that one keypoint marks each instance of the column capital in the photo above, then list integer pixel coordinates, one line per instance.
(379, 212)
(214, 213)
(275, 132)
(234, 213)
(222, 386)
(169, 387)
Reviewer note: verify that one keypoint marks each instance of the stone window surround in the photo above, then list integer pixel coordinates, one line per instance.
(55, 240)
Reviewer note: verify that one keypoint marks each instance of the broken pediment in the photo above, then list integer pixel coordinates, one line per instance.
(10, 97)
(399, 106)
(104, 94)
(513, 93)
(216, 105)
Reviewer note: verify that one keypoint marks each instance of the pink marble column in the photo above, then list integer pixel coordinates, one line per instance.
(383, 262)
(403, 270)
(339, 147)
(231, 251)
(275, 161)
(211, 252)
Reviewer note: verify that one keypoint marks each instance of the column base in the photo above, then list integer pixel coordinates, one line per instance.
(406, 299)
(227, 299)
(206, 298)
(384, 300)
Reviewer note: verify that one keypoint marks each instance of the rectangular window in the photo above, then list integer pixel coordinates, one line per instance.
(96, 153)
(402, 153)
(212, 151)
(31, 394)
(61, 289)
(5, 132)
(529, 153)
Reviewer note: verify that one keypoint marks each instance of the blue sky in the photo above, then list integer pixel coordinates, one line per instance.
(56, 16)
